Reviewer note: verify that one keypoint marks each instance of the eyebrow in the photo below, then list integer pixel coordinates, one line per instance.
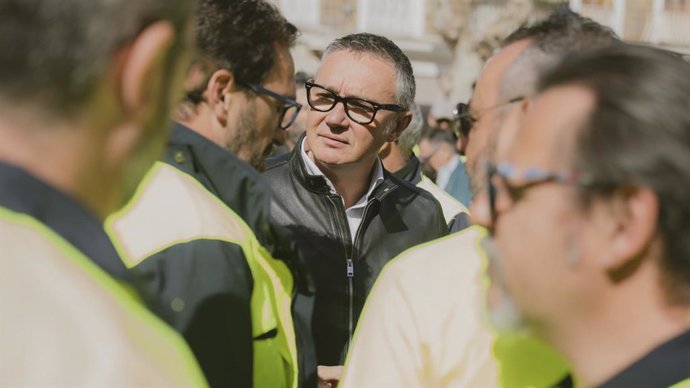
(348, 96)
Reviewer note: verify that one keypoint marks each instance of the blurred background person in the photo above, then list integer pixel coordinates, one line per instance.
(438, 154)
(440, 115)
(198, 231)
(82, 117)
(398, 158)
(597, 182)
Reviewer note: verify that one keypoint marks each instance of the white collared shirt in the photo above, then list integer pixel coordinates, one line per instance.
(355, 212)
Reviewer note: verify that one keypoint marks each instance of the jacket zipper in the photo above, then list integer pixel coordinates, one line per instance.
(351, 280)
(350, 266)
(344, 232)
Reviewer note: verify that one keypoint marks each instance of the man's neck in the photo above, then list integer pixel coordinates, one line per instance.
(393, 159)
(351, 181)
(620, 332)
(75, 167)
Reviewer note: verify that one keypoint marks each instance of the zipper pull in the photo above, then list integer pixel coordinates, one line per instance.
(350, 268)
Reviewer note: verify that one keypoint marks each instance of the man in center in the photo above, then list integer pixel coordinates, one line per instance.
(348, 215)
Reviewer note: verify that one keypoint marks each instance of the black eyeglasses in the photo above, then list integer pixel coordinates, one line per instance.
(289, 107)
(499, 176)
(358, 110)
(465, 119)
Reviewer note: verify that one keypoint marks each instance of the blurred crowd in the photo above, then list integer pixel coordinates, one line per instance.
(180, 207)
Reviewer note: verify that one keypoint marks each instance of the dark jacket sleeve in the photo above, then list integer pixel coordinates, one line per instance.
(203, 288)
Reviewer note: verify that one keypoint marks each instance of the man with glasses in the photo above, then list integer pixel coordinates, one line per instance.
(198, 232)
(448, 341)
(437, 153)
(597, 181)
(347, 214)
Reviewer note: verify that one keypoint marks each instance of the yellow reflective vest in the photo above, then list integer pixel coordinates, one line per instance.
(66, 322)
(423, 325)
(172, 215)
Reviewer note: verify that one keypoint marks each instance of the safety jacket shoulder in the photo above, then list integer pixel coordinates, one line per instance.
(424, 325)
(218, 286)
(67, 320)
(397, 216)
(412, 172)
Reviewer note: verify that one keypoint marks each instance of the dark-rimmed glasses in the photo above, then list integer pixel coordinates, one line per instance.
(464, 117)
(499, 178)
(359, 110)
(289, 107)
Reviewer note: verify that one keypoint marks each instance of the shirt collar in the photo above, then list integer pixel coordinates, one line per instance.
(23, 193)
(664, 366)
(313, 170)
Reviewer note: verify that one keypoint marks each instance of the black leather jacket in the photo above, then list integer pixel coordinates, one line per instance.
(397, 216)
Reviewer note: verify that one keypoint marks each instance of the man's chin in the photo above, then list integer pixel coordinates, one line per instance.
(505, 317)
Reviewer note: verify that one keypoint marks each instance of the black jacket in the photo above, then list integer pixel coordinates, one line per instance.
(212, 275)
(397, 216)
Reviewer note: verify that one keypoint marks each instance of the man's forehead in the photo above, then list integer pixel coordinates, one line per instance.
(360, 73)
(547, 134)
(487, 88)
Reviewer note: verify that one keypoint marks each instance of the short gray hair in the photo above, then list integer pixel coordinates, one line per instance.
(386, 49)
(411, 135)
(55, 53)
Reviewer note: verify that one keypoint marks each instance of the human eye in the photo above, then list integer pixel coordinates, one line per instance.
(360, 106)
(322, 97)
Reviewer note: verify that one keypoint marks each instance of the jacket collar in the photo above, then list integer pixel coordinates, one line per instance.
(214, 166)
(662, 367)
(318, 183)
(24, 193)
(411, 171)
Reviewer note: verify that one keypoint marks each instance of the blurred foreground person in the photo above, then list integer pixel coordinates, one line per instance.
(347, 214)
(597, 181)
(424, 324)
(398, 158)
(82, 117)
(192, 230)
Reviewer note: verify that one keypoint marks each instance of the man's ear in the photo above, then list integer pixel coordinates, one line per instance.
(218, 93)
(401, 124)
(632, 229)
(143, 70)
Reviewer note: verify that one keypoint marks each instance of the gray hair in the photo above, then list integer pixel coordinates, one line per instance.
(55, 53)
(411, 135)
(386, 49)
(638, 135)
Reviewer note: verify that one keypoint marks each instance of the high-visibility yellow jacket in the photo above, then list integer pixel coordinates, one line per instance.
(423, 325)
(215, 283)
(64, 320)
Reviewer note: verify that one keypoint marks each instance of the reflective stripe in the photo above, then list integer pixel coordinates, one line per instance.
(523, 361)
(191, 213)
(172, 351)
(683, 384)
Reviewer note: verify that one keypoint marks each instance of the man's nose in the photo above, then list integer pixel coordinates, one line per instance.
(337, 117)
(481, 210)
